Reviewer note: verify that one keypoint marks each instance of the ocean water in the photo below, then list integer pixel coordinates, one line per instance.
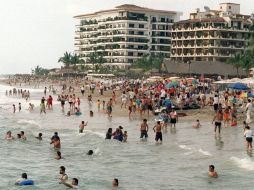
(181, 162)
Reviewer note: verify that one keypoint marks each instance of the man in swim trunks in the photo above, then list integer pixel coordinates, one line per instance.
(173, 118)
(157, 130)
(212, 172)
(144, 129)
(82, 126)
(218, 117)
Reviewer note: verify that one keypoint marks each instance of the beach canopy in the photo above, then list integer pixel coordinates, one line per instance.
(238, 86)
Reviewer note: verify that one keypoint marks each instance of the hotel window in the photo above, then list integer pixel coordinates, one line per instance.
(140, 33)
(131, 32)
(141, 26)
(131, 25)
(130, 53)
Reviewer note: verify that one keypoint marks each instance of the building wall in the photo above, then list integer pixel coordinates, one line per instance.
(122, 41)
(229, 7)
(210, 37)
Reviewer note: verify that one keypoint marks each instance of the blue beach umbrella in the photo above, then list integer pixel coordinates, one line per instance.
(238, 86)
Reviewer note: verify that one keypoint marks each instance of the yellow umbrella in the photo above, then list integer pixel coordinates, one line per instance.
(243, 95)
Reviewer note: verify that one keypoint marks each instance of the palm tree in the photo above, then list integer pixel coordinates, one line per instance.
(39, 71)
(236, 61)
(75, 59)
(66, 59)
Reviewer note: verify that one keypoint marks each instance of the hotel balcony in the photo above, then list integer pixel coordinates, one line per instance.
(182, 29)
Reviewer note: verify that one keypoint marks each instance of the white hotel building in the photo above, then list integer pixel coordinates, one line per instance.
(211, 35)
(125, 33)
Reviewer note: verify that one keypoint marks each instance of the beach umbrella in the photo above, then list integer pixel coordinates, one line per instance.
(194, 81)
(238, 86)
(243, 95)
(172, 84)
(250, 95)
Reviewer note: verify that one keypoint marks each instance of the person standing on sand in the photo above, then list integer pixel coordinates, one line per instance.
(158, 133)
(218, 118)
(82, 90)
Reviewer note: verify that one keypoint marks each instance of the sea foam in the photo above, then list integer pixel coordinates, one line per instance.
(244, 163)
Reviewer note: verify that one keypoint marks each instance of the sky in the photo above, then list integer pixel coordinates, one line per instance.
(38, 32)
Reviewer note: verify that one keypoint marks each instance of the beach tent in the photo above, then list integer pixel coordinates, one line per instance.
(238, 86)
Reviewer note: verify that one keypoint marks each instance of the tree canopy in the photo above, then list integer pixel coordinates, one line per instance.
(70, 60)
(39, 71)
(149, 62)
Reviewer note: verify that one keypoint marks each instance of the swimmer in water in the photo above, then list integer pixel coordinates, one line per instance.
(125, 136)
(82, 126)
(31, 107)
(23, 178)
(56, 142)
(90, 152)
(63, 176)
(39, 136)
(8, 136)
(58, 155)
(196, 125)
(91, 113)
(212, 172)
(18, 136)
(109, 133)
(22, 133)
(115, 183)
(72, 185)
